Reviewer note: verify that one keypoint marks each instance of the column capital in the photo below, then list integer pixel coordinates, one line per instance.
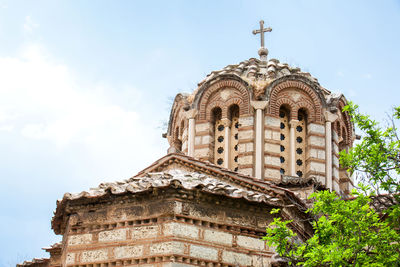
(226, 122)
(329, 116)
(191, 114)
(259, 104)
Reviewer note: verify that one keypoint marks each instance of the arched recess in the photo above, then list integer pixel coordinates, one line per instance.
(284, 117)
(307, 108)
(233, 116)
(218, 137)
(309, 96)
(207, 98)
(301, 141)
(180, 103)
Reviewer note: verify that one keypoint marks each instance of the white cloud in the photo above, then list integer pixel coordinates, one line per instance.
(30, 25)
(44, 100)
(6, 128)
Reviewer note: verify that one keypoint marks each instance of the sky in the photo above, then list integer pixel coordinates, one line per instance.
(86, 86)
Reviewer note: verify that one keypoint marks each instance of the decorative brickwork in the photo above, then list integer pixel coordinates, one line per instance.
(305, 98)
(205, 104)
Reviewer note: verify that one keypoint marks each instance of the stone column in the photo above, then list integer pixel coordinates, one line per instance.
(191, 114)
(329, 118)
(259, 106)
(293, 124)
(227, 137)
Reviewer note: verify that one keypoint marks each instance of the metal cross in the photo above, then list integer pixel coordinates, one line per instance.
(261, 31)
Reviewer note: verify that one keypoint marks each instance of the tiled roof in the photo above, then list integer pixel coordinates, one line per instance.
(54, 247)
(35, 262)
(178, 178)
(256, 70)
(189, 174)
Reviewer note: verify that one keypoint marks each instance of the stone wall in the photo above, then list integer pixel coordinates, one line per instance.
(246, 145)
(272, 148)
(167, 232)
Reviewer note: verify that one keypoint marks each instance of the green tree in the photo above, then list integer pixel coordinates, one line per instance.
(353, 232)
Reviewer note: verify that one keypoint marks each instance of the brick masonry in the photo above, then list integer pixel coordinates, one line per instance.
(115, 233)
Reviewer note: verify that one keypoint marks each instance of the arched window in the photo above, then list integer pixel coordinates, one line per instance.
(300, 143)
(284, 115)
(234, 151)
(219, 138)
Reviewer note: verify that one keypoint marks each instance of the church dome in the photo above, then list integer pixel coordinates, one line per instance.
(267, 120)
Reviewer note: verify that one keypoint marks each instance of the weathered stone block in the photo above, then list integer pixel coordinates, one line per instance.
(197, 140)
(112, 235)
(206, 139)
(272, 135)
(167, 247)
(271, 121)
(272, 173)
(202, 127)
(317, 141)
(273, 148)
(249, 147)
(317, 153)
(246, 121)
(236, 258)
(250, 242)
(128, 252)
(272, 160)
(276, 136)
(246, 134)
(268, 134)
(142, 232)
(247, 171)
(260, 261)
(79, 239)
(94, 255)
(316, 128)
(218, 237)
(317, 166)
(203, 252)
(70, 258)
(181, 230)
(246, 160)
(202, 152)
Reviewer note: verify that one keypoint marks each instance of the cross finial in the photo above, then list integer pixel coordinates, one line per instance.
(263, 52)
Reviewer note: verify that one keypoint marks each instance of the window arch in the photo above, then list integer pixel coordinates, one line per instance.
(233, 115)
(284, 115)
(219, 138)
(300, 142)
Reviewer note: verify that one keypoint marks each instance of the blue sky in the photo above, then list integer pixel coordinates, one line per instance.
(86, 86)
